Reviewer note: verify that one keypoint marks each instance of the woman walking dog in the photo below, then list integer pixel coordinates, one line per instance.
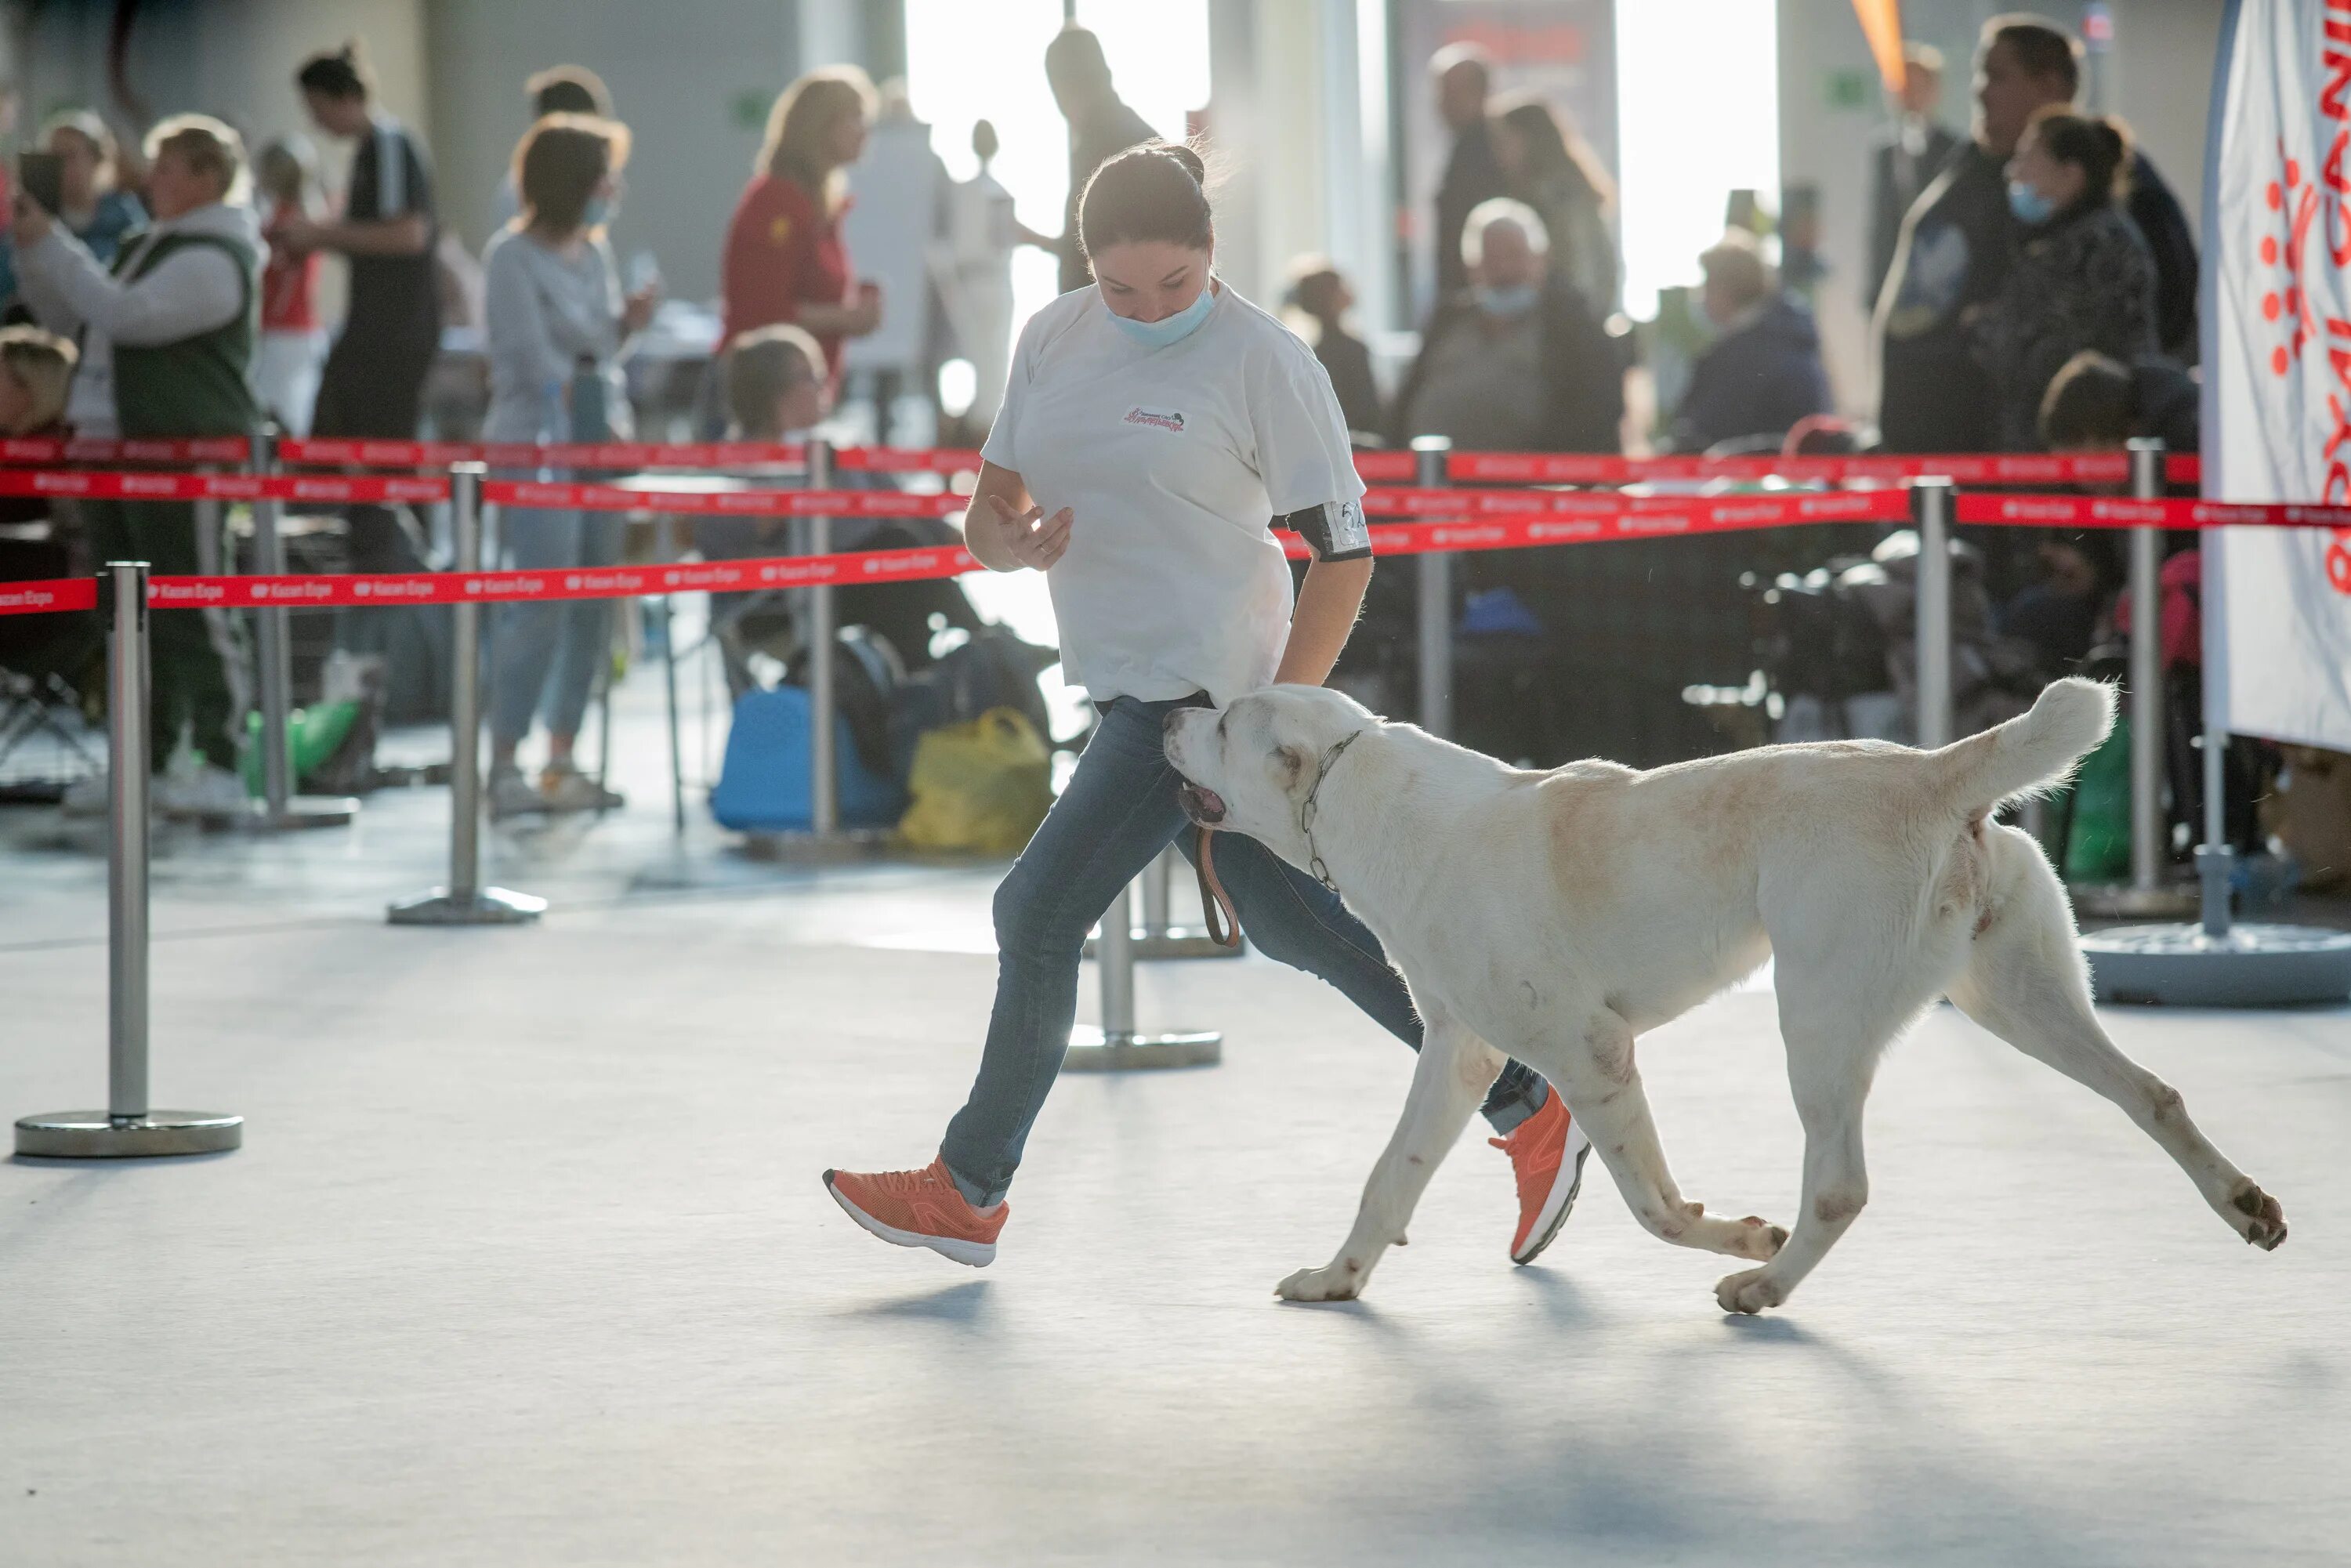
(1155, 424)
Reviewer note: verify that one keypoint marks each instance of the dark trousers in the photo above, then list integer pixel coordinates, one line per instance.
(193, 652)
(375, 388)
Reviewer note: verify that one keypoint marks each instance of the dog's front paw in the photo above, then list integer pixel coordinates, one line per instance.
(2260, 1218)
(1338, 1282)
(1761, 1240)
(1749, 1292)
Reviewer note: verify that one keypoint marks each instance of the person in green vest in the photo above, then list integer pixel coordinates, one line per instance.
(167, 341)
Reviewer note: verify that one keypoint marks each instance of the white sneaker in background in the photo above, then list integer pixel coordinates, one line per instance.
(565, 788)
(205, 790)
(512, 795)
(88, 797)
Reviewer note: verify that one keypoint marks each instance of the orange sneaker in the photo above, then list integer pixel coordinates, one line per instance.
(920, 1208)
(1547, 1152)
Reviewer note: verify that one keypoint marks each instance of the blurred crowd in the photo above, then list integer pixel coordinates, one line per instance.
(2034, 283)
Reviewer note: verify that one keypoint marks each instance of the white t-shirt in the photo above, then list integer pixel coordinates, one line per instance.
(1173, 463)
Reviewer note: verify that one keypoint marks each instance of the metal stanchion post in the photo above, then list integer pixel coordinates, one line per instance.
(2147, 819)
(1436, 577)
(824, 777)
(1930, 505)
(281, 807)
(2146, 895)
(466, 902)
(128, 1126)
(1116, 1047)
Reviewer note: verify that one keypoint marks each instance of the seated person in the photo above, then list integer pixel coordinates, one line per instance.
(777, 390)
(2097, 403)
(1516, 362)
(1762, 374)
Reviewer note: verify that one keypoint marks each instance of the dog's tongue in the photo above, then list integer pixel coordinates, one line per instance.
(1207, 803)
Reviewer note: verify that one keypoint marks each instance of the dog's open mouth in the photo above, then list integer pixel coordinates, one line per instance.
(1204, 807)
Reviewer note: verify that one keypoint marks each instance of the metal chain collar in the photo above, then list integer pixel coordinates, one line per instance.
(1306, 812)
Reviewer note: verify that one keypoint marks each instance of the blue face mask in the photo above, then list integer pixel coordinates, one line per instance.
(2028, 203)
(597, 213)
(1515, 300)
(1169, 329)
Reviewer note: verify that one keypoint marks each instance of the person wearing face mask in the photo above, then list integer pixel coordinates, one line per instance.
(2082, 278)
(1156, 426)
(1762, 373)
(556, 325)
(1512, 363)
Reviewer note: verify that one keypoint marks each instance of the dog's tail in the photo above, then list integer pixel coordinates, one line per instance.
(2031, 754)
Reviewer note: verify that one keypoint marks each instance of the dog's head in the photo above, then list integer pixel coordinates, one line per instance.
(1248, 767)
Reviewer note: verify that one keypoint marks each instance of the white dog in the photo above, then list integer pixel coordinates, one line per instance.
(1557, 915)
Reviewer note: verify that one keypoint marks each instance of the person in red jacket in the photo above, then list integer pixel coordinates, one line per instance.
(784, 260)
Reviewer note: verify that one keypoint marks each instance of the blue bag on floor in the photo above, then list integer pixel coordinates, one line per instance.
(763, 785)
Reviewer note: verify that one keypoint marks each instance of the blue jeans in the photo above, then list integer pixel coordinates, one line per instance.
(1119, 811)
(545, 654)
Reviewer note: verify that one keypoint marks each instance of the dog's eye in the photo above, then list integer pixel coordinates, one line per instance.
(1292, 760)
(1222, 719)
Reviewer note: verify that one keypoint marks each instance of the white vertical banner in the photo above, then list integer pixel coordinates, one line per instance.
(2277, 368)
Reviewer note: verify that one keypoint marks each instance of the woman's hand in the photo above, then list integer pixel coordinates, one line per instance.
(32, 220)
(1031, 537)
(295, 232)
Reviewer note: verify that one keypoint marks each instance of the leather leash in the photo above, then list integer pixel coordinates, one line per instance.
(1214, 900)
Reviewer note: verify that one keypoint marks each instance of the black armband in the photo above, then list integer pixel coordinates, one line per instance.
(1335, 530)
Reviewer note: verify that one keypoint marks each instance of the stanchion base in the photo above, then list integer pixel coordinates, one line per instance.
(2252, 966)
(2112, 900)
(95, 1135)
(301, 811)
(817, 849)
(1091, 1051)
(483, 906)
(1178, 942)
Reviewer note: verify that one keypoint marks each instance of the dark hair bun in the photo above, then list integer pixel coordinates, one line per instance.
(1154, 190)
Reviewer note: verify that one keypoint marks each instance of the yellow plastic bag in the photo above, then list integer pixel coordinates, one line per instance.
(979, 787)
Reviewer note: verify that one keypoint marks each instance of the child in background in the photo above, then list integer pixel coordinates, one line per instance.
(293, 346)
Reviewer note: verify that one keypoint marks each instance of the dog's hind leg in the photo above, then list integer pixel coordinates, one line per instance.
(1602, 1087)
(2024, 982)
(1455, 1069)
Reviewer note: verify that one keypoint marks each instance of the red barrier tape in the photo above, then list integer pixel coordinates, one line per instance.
(134, 486)
(734, 503)
(1994, 468)
(1591, 519)
(48, 595)
(1375, 468)
(96, 449)
(536, 455)
(2102, 512)
(1691, 515)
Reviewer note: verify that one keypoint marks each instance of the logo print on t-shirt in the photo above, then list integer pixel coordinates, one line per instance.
(1152, 416)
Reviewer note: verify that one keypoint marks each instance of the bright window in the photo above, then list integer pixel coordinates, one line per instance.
(1697, 90)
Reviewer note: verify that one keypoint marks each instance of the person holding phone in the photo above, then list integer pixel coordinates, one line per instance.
(167, 341)
(1155, 428)
(91, 202)
(784, 260)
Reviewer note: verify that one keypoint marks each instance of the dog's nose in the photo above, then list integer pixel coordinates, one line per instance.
(1167, 725)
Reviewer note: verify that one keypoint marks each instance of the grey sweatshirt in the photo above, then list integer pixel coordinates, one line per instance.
(545, 311)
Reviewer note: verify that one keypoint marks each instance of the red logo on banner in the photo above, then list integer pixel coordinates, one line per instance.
(2338, 561)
